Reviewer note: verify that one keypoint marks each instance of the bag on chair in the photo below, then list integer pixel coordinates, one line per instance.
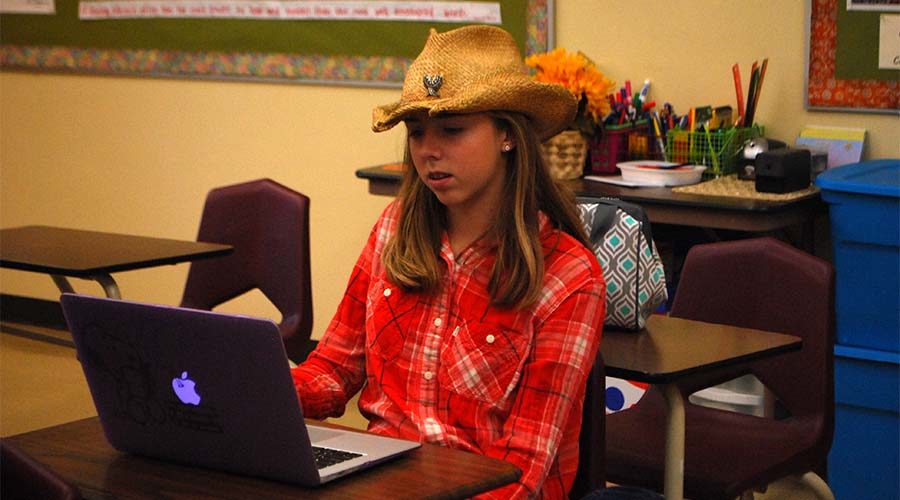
(622, 241)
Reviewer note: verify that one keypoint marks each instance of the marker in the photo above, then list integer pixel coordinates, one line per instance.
(645, 90)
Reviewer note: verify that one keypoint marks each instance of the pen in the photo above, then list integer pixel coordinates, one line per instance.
(654, 117)
(692, 116)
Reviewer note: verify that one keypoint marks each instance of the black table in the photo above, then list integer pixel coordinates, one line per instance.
(664, 206)
(62, 253)
(671, 349)
(79, 452)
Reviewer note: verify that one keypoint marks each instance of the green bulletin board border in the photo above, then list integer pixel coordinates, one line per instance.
(376, 71)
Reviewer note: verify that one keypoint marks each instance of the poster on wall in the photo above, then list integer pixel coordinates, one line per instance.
(846, 55)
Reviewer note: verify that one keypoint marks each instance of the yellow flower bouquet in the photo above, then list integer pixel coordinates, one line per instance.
(577, 73)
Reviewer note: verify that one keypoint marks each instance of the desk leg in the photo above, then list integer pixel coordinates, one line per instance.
(109, 285)
(674, 473)
(106, 281)
(62, 283)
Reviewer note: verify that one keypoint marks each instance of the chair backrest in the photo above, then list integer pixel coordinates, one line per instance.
(766, 284)
(591, 473)
(23, 477)
(268, 225)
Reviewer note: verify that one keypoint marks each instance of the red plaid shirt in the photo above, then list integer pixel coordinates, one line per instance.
(452, 370)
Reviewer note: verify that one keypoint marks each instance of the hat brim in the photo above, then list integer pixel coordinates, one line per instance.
(550, 108)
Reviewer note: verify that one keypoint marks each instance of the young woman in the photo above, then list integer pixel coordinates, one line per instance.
(474, 313)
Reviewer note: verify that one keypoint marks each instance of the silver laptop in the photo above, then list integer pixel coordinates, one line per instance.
(207, 389)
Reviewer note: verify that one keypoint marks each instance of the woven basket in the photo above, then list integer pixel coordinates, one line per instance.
(565, 154)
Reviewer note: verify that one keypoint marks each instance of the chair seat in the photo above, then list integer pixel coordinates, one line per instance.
(717, 465)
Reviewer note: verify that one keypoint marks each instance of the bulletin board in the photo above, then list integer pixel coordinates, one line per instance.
(842, 60)
(367, 53)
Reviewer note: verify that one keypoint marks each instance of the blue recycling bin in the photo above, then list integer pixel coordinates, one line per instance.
(864, 461)
(864, 208)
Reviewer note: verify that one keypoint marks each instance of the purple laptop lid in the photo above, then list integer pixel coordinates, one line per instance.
(190, 386)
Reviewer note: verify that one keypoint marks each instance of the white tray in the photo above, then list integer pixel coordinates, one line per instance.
(654, 173)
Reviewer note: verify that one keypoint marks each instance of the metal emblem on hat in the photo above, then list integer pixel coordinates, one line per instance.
(433, 84)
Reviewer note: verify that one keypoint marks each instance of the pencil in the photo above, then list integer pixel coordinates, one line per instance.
(759, 84)
(739, 92)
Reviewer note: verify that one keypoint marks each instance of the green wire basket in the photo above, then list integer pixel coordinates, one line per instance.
(718, 149)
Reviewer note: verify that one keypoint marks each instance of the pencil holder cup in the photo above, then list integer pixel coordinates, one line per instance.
(618, 143)
(642, 145)
(608, 148)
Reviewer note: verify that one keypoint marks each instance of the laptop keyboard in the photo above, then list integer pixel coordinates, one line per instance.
(329, 456)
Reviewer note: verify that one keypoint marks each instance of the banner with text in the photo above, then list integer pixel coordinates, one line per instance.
(332, 10)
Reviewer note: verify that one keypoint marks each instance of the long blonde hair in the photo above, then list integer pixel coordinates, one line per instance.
(411, 257)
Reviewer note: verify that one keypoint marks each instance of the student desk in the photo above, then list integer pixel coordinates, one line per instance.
(672, 349)
(79, 452)
(663, 206)
(94, 255)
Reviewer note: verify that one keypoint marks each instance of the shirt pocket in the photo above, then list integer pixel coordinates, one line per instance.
(482, 362)
(391, 315)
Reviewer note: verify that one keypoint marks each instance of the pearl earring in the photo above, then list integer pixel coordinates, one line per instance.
(506, 147)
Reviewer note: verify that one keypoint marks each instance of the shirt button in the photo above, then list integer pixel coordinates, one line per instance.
(437, 321)
(428, 375)
(387, 292)
(489, 339)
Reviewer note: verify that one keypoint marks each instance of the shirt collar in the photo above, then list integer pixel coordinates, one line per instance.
(487, 243)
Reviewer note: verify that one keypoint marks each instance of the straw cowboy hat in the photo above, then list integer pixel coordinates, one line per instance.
(473, 69)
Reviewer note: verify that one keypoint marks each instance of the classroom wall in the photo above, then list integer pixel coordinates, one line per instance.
(138, 155)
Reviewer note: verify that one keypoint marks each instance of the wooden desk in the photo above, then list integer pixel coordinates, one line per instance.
(94, 255)
(666, 207)
(79, 452)
(669, 350)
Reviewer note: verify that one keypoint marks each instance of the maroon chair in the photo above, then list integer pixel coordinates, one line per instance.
(590, 478)
(24, 478)
(759, 283)
(268, 225)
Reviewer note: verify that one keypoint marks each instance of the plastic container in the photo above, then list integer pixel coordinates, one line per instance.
(864, 202)
(742, 395)
(864, 462)
(608, 149)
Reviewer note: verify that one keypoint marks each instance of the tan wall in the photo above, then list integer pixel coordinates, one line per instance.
(138, 155)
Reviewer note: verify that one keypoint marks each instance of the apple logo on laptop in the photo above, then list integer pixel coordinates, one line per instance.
(184, 389)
